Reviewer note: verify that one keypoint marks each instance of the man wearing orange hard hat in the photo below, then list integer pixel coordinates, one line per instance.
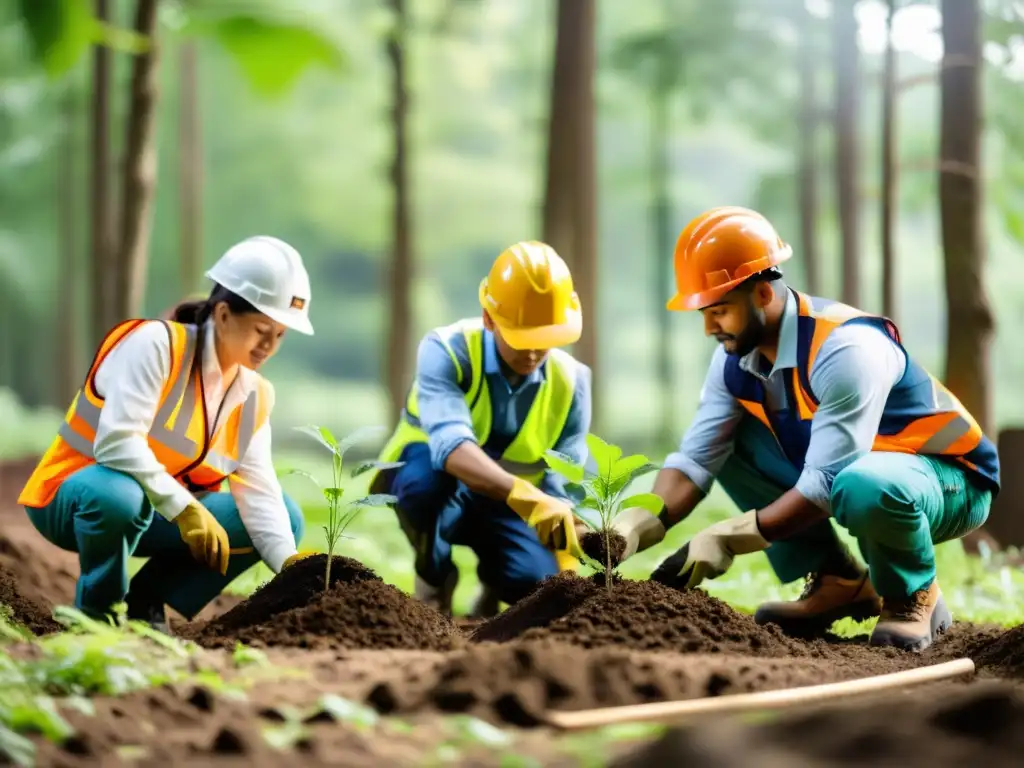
(813, 410)
(491, 395)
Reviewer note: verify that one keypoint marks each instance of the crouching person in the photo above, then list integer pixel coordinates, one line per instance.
(491, 395)
(170, 409)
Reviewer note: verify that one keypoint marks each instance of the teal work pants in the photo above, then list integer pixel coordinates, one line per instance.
(105, 517)
(898, 506)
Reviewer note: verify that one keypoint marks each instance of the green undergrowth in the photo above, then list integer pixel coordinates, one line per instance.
(41, 676)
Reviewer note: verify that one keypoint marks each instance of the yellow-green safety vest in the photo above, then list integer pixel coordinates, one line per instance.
(544, 422)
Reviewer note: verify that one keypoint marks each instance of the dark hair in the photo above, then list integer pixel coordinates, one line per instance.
(198, 312)
(769, 275)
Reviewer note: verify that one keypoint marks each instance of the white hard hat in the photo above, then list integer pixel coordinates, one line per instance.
(268, 273)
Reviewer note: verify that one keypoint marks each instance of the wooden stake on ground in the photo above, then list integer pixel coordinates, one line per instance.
(745, 702)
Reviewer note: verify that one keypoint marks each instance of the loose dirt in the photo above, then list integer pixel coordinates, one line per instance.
(359, 610)
(593, 545)
(569, 645)
(638, 615)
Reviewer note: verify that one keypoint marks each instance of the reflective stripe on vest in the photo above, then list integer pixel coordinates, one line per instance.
(180, 428)
(943, 426)
(544, 422)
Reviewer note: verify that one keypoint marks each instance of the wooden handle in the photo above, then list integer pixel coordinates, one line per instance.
(787, 697)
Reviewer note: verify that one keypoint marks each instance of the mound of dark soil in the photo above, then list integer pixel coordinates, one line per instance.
(638, 615)
(516, 683)
(984, 724)
(35, 615)
(592, 544)
(1003, 653)
(359, 610)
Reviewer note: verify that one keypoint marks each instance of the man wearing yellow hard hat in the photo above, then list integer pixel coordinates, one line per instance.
(491, 395)
(811, 411)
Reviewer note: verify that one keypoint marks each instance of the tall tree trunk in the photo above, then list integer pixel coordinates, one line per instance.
(889, 170)
(661, 208)
(570, 199)
(846, 63)
(140, 161)
(69, 373)
(400, 273)
(190, 170)
(969, 324)
(808, 150)
(101, 227)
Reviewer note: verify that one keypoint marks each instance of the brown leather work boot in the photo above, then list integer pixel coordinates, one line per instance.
(825, 600)
(912, 623)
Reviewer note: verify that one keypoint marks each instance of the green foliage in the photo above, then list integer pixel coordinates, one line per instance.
(603, 490)
(90, 657)
(61, 31)
(341, 513)
(272, 42)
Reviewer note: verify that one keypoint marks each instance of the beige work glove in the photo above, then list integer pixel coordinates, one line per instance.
(639, 528)
(552, 518)
(206, 538)
(710, 553)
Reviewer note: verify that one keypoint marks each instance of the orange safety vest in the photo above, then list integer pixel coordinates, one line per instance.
(921, 416)
(179, 436)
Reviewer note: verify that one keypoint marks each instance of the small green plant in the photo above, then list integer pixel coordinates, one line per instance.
(603, 490)
(341, 513)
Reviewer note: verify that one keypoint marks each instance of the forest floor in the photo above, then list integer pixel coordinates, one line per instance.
(362, 674)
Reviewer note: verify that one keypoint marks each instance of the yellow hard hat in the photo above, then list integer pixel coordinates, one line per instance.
(529, 296)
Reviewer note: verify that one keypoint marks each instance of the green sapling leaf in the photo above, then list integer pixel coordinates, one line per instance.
(315, 433)
(648, 501)
(360, 435)
(605, 455)
(565, 466)
(376, 500)
(380, 466)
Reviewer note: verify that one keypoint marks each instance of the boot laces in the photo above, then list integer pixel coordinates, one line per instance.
(812, 584)
(913, 608)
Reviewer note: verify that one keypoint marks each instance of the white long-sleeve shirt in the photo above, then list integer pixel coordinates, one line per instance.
(130, 380)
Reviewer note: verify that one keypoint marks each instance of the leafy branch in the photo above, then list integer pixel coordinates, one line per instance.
(342, 513)
(604, 489)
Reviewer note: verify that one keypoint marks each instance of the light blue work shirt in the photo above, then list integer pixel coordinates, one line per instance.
(856, 368)
(445, 417)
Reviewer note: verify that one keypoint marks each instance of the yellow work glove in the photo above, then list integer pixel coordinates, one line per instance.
(710, 553)
(292, 559)
(206, 538)
(551, 518)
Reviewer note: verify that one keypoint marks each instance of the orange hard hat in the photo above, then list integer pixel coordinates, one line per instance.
(530, 297)
(720, 249)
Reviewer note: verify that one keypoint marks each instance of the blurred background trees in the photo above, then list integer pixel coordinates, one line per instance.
(401, 145)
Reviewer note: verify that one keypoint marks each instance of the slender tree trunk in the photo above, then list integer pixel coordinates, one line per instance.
(101, 227)
(570, 200)
(661, 207)
(140, 167)
(808, 151)
(68, 370)
(190, 170)
(889, 171)
(846, 62)
(969, 324)
(400, 275)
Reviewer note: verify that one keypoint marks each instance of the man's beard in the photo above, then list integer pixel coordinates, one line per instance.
(746, 341)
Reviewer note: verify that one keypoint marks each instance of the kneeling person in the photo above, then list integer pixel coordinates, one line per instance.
(814, 410)
(491, 395)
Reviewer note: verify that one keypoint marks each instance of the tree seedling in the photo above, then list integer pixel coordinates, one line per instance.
(603, 490)
(341, 513)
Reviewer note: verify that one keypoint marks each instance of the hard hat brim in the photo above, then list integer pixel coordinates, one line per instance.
(292, 319)
(543, 336)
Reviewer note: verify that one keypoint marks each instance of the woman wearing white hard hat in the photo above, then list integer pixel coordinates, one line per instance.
(169, 410)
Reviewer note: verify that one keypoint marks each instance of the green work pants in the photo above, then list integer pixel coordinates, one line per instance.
(897, 505)
(105, 517)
